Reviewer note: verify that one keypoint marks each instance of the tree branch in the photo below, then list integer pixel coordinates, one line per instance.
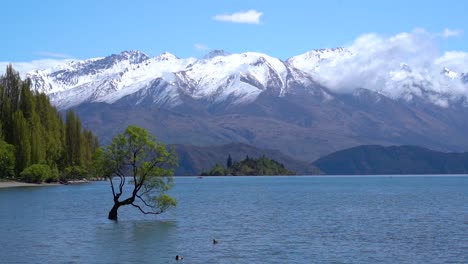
(136, 185)
(112, 186)
(143, 177)
(122, 181)
(144, 202)
(119, 173)
(146, 191)
(145, 212)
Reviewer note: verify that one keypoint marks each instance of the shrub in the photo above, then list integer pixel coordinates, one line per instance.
(74, 173)
(7, 160)
(54, 175)
(36, 173)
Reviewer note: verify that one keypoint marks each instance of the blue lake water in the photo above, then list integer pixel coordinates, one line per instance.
(256, 220)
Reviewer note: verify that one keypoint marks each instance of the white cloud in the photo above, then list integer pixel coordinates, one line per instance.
(393, 65)
(454, 60)
(247, 17)
(25, 67)
(201, 47)
(51, 60)
(53, 55)
(447, 33)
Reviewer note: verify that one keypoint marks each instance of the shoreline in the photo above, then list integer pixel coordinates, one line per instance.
(14, 184)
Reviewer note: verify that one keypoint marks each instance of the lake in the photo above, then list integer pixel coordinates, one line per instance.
(421, 219)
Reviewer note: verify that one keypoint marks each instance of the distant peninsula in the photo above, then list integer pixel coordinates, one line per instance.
(381, 160)
(261, 166)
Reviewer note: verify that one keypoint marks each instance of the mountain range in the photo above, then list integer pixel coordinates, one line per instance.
(302, 106)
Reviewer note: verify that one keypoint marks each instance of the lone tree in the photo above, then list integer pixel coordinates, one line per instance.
(139, 167)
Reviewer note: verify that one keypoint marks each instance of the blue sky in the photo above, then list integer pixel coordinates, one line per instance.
(83, 29)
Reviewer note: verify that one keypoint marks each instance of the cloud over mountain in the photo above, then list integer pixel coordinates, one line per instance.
(392, 65)
(25, 67)
(246, 17)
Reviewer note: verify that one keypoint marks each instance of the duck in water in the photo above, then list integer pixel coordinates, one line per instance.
(215, 241)
(178, 257)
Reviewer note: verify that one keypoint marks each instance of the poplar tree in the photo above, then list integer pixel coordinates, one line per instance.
(36, 133)
(21, 141)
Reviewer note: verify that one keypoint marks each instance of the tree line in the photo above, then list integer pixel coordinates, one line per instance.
(36, 142)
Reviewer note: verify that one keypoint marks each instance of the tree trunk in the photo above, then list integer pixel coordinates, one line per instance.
(113, 212)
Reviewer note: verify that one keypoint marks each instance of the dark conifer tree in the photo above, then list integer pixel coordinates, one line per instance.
(229, 162)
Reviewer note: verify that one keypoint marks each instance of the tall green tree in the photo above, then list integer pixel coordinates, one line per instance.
(37, 136)
(11, 82)
(27, 102)
(149, 165)
(7, 160)
(37, 130)
(73, 139)
(52, 127)
(21, 141)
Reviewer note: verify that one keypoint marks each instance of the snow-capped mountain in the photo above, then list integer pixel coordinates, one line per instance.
(238, 78)
(306, 106)
(104, 79)
(343, 71)
(217, 77)
(310, 61)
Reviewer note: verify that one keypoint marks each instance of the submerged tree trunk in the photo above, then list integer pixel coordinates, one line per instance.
(113, 212)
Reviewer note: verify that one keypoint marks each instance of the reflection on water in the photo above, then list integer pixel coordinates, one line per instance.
(255, 220)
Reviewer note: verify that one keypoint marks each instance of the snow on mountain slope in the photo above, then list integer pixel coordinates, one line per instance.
(241, 75)
(240, 78)
(312, 60)
(105, 79)
(216, 78)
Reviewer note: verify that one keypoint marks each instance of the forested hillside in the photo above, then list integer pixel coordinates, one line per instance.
(36, 143)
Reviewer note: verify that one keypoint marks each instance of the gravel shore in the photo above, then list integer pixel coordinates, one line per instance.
(12, 184)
